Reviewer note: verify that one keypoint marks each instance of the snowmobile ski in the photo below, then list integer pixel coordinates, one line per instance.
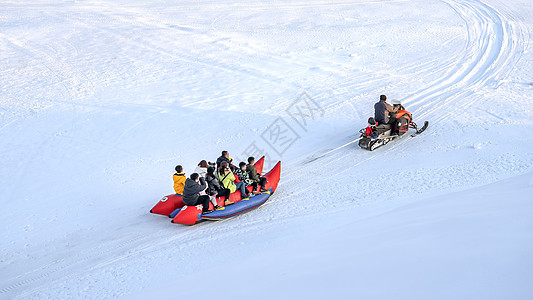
(419, 131)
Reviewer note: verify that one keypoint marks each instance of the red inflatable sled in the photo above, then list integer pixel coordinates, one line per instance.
(172, 202)
(168, 204)
(190, 215)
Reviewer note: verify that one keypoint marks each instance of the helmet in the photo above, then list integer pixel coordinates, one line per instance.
(395, 102)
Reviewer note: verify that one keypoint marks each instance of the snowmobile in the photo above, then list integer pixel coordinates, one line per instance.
(376, 135)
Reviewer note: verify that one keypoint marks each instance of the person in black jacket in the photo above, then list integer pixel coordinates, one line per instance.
(214, 190)
(382, 114)
(191, 192)
(225, 158)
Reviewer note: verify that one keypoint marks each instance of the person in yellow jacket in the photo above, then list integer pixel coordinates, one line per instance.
(179, 180)
(227, 178)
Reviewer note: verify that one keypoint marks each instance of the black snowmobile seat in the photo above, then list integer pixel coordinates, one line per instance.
(383, 126)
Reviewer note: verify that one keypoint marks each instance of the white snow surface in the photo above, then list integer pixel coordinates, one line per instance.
(100, 100)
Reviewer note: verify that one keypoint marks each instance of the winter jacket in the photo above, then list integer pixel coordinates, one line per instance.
(382, 110)
(221, 159)
(402, 113)
(226, 180)
(201, 171)
(213, 186)
(398, 114)
(192, 190)
(179, 182)
(243, 176)
(252, 172)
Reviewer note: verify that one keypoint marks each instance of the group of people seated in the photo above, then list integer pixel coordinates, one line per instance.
(210, 181)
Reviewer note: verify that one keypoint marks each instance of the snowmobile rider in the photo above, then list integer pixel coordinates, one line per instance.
(179, 180)
(252, 173)
(191, 192)
(382, 114)
(397, 105)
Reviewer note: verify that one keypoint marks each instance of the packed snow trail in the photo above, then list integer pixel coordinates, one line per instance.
(492, 50)
(490, 54)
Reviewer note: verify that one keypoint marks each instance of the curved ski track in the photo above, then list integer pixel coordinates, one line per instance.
(492, 50)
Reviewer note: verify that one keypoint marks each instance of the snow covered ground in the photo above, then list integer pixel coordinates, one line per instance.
(99, 100)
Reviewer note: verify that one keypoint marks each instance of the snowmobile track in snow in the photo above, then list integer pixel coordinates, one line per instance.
(491, 51)
(121, 249)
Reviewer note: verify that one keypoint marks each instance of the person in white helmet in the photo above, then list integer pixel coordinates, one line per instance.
(397, 104)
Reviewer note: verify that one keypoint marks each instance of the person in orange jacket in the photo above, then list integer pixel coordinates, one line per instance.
(179, 180)
(402, 116)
